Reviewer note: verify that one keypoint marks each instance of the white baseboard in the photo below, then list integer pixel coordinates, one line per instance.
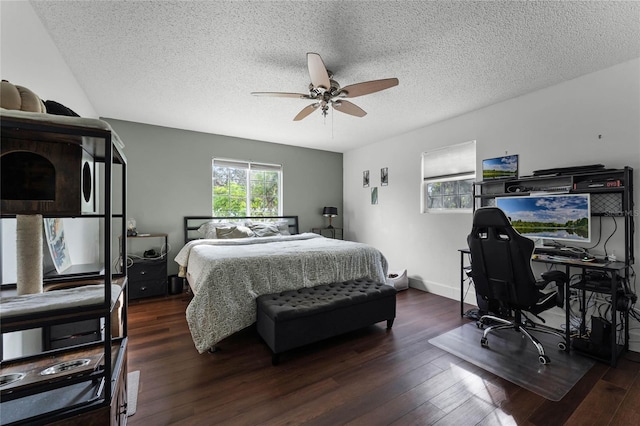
(435, 288)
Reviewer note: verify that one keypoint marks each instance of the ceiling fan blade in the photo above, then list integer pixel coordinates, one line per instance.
(281, 95)
(349, 108)
(306, 111)
(317, 71)
(367, 87)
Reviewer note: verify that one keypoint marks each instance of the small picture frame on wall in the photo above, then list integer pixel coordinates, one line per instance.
(374, 195)
(365, 179)
(384, 176)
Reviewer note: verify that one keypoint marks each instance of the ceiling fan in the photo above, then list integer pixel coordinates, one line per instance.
(326, 91)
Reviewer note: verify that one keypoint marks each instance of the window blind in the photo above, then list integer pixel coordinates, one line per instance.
(246, 165)
(450, 162)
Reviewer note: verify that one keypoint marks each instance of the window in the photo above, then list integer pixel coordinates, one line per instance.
(242, 188)
(448, 174)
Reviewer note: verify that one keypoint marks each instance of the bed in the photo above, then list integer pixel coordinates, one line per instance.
(226, 275)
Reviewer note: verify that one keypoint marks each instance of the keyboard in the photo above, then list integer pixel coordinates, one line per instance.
(569, 255)
(553, 251)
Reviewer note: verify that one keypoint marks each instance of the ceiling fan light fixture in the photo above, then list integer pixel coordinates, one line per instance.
(324, 89)
(335, 87)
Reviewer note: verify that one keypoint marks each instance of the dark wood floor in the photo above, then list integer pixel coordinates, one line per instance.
(369, 377)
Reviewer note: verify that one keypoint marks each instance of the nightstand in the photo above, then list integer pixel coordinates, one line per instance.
(147, 275)
(335, 233)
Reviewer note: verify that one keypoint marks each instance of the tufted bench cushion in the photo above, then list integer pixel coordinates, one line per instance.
(295, 318)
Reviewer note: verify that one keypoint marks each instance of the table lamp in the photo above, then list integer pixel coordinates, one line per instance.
(330, 212)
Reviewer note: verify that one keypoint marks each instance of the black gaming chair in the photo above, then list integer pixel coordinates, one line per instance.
(501, 272)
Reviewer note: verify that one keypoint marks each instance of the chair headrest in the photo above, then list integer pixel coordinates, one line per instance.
(490, 216)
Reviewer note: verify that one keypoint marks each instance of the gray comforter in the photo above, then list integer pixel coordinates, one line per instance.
(227, 276)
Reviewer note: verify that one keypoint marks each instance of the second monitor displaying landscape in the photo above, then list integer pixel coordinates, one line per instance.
(550, 216)
(500, 168)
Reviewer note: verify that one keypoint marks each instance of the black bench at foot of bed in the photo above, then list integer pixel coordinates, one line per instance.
(295, 318)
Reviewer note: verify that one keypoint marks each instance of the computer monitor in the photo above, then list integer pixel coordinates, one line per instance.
(500, 168)
(563, 217)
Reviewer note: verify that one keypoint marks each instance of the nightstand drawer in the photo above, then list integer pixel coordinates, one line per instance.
(147, 288)
(147, 270)
(147, 278)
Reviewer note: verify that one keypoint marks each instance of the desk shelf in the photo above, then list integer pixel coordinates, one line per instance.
(611, 195)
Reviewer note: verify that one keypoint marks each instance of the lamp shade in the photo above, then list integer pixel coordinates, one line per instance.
(330, 211)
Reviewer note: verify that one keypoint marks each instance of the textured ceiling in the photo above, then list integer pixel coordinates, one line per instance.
(192, 64)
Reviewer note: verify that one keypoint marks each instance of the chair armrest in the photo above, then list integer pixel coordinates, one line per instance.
(558, 277)
(554, 276)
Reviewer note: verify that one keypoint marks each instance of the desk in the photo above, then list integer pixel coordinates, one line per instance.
(615, 269)
(464, 268)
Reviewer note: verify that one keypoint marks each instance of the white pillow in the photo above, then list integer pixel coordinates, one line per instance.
(283, 227)
(208, 230)
(234, 232)
(268, 229)
(264, 229)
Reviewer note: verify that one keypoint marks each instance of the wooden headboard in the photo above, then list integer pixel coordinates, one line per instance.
(192, 223)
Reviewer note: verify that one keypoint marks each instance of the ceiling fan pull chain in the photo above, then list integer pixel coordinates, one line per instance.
(332, 126)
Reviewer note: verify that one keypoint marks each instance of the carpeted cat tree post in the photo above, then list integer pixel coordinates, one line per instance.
(29, 253)
(28, 227)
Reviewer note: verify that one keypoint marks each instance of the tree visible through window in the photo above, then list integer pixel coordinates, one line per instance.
(242, 188)
(450, 194)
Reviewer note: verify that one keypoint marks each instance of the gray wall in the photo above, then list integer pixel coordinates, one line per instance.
(169, 177)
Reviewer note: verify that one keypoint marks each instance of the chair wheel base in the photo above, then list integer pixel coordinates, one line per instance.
(544, 359)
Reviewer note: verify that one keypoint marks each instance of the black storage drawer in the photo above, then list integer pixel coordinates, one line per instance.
(147, 278)
(70, 334)
(147, 288)
(80, 327)
(148, 270)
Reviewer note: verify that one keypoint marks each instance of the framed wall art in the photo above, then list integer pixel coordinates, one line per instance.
(365, 179)
(384, 176)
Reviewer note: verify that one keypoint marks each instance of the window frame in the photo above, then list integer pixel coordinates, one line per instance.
(249, 166)
(452, 163)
